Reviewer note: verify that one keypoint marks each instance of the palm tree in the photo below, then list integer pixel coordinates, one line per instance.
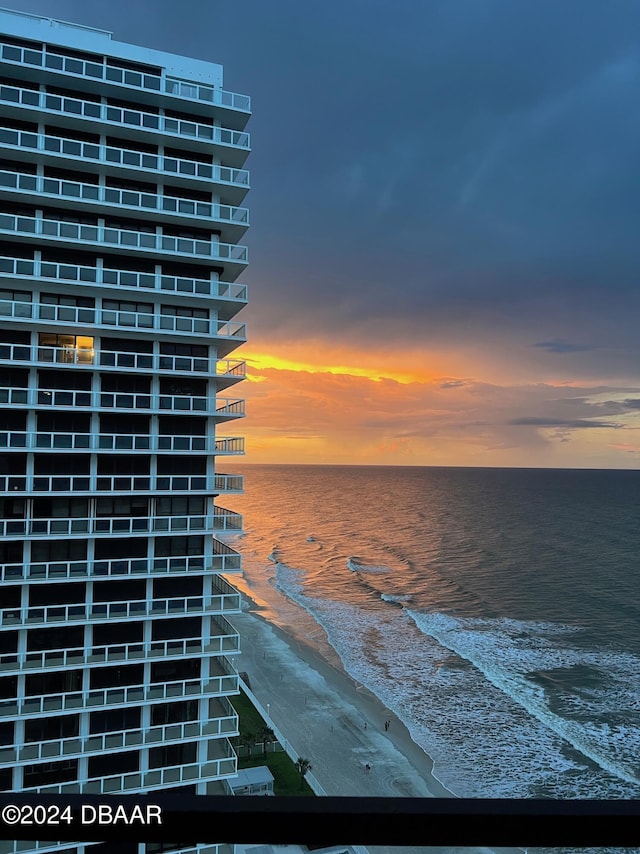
(303, 765)
(248, 740)
(266, 735)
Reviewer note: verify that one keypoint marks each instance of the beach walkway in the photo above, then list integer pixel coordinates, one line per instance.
(339, 727)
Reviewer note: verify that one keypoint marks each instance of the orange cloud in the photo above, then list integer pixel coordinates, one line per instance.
(375, 364)
(312, 404)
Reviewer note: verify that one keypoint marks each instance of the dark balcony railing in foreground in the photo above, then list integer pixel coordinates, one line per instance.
(330, 821)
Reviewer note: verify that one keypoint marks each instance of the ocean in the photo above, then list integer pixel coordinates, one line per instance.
(495, 611)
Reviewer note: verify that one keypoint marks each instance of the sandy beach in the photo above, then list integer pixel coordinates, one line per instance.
(329, 719)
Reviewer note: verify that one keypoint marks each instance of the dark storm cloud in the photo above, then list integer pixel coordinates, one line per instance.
(569, 424)
(562, 347)
(447, 172)
(453, 384)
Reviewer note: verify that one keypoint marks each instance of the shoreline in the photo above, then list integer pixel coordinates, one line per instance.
(334, 714)
(328, 717)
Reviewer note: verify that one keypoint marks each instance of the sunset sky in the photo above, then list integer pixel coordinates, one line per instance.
(445, 209)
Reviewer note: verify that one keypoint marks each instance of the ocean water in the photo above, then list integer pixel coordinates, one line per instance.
(495, 611)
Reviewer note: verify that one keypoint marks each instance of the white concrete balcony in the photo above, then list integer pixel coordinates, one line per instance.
(174, 364)
(148, 781)
(234, 183)
(229, 445)
(110, 525)
(152, 244)
(217, 644)
(18, 101)
(228, 561)
(233, 221)
(50, 847)
(228, 483)
(226, 725)
(223, 446)
(226, 520)
(219, 331)
(228, 297)
(121, 696)
(220, 408)
(226, 371)
(223, 369)
(119, 611)
(235, 107)
(59, 484)
(54, 659)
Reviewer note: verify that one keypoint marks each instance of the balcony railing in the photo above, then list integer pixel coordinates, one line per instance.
(220, 407)
(78, 108)
(98, 235)
(121, 696)
(136, 161)
(127, 78)
(228, 561)
(79, 355)
(152, 484)
(104, 276)
(147, 781)
(115, 611)
(225, 725)
(121, 442)
(81, 527)
(226, 520)
(110, 197)
(228, 483)
(221, 639)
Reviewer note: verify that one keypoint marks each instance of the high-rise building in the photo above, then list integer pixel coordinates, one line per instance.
(121, 189)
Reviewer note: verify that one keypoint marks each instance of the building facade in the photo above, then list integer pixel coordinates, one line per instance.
(121, 221)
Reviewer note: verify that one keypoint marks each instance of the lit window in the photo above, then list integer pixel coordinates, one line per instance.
(65, 349)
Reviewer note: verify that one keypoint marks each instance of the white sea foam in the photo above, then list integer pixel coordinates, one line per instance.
(452, 712)
(355, 566)
(484, 738)
(387, 597)
(505, 651)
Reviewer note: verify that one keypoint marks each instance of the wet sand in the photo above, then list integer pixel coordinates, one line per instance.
(329, 719)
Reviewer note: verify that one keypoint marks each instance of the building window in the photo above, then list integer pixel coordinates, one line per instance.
(50, 773)
(179, 546)
(174, 713)
(112, 764)
(175, 671)
(173, 754)
(51, 729)
(124, 313)
(60, 551)
(65, 349)
(184, 311)
(115, 720)
(185, 628)
(15, 303)
(115, 677)
(53, 683)
(70, 308)
(124, 506)
(6, 780)
(71, 637)
(181, 506)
